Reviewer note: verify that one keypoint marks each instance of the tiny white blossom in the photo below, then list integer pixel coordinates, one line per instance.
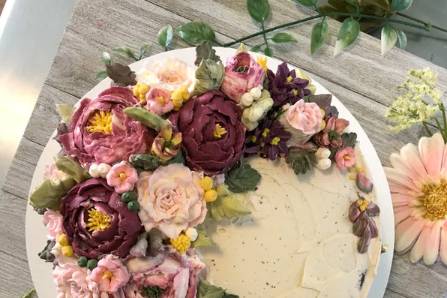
(322, 153)
(256, 92)
(99, 170)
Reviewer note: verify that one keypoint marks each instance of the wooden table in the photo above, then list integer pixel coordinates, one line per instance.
(363, 80)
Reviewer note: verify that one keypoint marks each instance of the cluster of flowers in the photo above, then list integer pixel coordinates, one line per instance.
(123, 229)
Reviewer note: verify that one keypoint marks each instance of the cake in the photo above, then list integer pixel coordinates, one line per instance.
(208, 180)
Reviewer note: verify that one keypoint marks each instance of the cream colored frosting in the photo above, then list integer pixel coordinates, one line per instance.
(297, 242)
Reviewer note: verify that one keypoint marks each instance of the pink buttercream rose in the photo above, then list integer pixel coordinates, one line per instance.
(122, 176)
(305, 117)
(171, 199)
(242, 73)
(54, 222)
(109, 276)
(71, 281)
(345, 158)
(159, 101)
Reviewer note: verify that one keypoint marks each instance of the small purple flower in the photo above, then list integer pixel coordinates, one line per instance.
(285, 86)
(361, 212)
(269, 140)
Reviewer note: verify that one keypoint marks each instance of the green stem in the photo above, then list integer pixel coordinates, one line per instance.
(444, 118)
(421, 22)
(264, 36)
(425, 124)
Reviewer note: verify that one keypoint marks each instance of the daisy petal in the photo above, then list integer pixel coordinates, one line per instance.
(399, 178)
(401, 213)
(418, 249)
(443, 248)
(398, 163)
(407, 232)
(431, 243)
(431, 151)
(410, 156)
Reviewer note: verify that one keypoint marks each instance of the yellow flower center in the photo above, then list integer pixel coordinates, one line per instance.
(219, 131)
(434, 200)
(253, 139)
(161, 100)
(294, 92)
(100, 122)
(98, 221)
(363, 204)
(122, 176)
(107, 275)
(140, 90)
(275, 141)
(181, 243)
(265, 132)
(289, 79)
(262, 61)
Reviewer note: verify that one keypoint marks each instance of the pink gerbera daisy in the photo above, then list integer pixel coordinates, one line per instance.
(418, 182)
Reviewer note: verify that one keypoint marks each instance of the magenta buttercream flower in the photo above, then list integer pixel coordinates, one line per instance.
(109, 275)
(242, 73)
(345, 158)
(330, 136)
(159, 101)
(53, 222)
(175, 275)
(171, 199)
(212, 132)
(122, 176)
(101, 132)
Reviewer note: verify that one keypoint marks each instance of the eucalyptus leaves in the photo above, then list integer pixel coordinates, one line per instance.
(352, 13)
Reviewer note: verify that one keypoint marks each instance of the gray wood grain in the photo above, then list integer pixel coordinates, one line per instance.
(363, 80)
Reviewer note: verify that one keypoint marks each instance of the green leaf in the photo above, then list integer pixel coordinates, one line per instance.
(388, 38)
(229, 206)
(203, 240)
(165, 36)
(144, 49)
(144, 162)
(256, 48)
(399, 5)
(205, 51)
(348, 33)
(401, 39)
(307, 2)
(71, 168)
(354, 3)
(126, 53)
(121, 74)
(268, 52)
(349, 139)
(209, 76)
(283, 37)
(152, 292)
(195, 33)
(242, 179)
(49, 193)
(65, 111)
(207, 290)
(147, 118)
(30, 294)
(259, 10)
(320, 33)
(101, 75)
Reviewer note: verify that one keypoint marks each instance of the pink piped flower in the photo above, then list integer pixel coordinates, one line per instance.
(418, 183)
(345, 158)
(159, 101)
(54, 223)
(122, 176)
(109, 276)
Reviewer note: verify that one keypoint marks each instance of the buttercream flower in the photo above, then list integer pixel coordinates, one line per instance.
(418, 183)
(330, 136)
(53, 222)
(242, 73)
(171, 199)
(97, 222)
(159, 101)
(361, 212)
(323, 161)
(285, 86)
(122, 176)
(269, 140)
(167, 143)
(305, 120)
(99, 170)
(345, 158)
(71, 281)
(101, 132)
(109, 275)
(174, 275)
(258, 107)
(53, 173)
(213, 134)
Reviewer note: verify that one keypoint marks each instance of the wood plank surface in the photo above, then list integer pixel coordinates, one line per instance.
(362, 79)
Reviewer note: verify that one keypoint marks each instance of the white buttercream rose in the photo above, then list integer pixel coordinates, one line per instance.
(171, 199)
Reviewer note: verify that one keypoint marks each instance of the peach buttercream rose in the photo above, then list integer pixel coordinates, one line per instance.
(109, 276)
(171, 199)
(306, 119)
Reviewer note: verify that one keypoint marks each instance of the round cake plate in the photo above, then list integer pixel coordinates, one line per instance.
(36, 232)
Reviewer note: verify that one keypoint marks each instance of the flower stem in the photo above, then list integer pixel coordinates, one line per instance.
(265, 37)
(444, 118)
(421, 22)
(425, 124)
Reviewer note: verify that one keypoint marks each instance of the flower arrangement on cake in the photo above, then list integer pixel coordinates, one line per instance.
(150, 159)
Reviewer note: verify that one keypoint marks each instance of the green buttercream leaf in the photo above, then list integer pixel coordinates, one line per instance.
(147, 118)
(30, 294)
(205, 51)
(65, 111)
(152, 292)
(72, 168)
(229, 206)
(209, 76)
(144, 162)
(207, 290)
(349, 139)
(49, 193)
(203, 240)
(300, 160)
(242, 179)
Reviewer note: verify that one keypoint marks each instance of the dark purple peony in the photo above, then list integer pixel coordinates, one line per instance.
(97, 222)
(212, 131)
(285, 87)
(269, 140)
(101, 132)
